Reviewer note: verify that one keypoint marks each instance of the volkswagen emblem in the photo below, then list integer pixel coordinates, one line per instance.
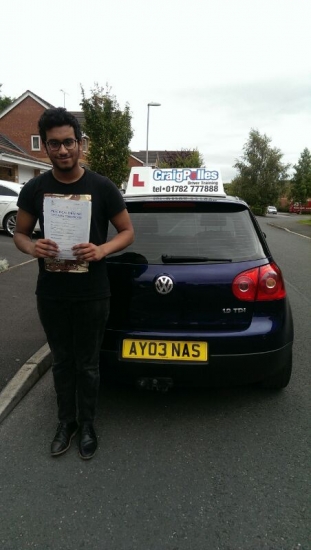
(164, 284)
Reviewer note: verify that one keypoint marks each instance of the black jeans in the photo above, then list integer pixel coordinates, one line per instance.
(74, 331)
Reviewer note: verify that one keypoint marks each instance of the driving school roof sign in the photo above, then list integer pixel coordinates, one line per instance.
(175, 181)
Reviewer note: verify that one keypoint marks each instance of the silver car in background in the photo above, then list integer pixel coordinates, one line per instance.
(272, 210)
(9, 192)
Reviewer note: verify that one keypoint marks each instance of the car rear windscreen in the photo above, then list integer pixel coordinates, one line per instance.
(193, 232)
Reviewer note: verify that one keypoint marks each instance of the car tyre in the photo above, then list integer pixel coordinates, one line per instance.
(281, 379)
(9, 223)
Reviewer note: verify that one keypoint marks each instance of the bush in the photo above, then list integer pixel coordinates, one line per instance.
(258, 210)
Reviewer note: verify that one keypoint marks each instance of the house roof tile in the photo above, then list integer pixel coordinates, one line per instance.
(8, 147)
(153, 156)
(79, 116)
(21, 98)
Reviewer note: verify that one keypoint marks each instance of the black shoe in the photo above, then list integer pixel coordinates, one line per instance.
(88, 441)
(64, 434)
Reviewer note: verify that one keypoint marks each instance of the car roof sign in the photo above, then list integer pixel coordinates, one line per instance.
(147, 181)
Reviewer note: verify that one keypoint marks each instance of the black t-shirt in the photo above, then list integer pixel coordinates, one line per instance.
(107, 202)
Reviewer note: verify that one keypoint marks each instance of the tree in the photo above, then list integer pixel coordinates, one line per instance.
(110, 132)
(5, 101)
(182, 159)
(301, 180)
(261, 174)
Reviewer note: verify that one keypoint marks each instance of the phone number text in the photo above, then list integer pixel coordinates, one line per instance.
(185, 189)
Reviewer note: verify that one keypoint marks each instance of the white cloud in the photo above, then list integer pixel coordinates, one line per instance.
(218, 67)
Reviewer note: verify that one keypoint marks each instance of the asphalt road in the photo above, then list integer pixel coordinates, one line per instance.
(225, 469)
(21, 331)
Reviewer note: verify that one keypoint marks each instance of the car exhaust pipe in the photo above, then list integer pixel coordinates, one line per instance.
(155, 384)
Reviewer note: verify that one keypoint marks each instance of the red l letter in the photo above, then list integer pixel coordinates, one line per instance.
(137, 182)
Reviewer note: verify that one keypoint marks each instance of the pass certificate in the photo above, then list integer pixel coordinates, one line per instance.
(67, 220)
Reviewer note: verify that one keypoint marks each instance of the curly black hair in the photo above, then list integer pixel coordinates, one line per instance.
(58, 116)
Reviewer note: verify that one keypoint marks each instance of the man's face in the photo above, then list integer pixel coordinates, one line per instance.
(63, 159)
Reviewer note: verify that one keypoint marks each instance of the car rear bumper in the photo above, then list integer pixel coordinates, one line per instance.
(221, 369)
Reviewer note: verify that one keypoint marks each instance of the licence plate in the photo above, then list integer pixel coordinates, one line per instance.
(164, 350)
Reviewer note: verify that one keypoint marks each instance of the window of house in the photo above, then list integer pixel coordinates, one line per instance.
(85, 144)
(35, 143)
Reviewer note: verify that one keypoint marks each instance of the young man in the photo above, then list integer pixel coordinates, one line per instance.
(72, 294)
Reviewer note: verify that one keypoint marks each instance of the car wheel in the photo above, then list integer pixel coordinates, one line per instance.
(281, 379)
(9, 223)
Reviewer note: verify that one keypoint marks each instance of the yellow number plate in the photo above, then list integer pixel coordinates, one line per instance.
(164, 350)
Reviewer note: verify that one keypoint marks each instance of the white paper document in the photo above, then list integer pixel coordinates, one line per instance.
(67, 222)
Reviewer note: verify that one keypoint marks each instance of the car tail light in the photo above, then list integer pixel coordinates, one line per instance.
(261, 283)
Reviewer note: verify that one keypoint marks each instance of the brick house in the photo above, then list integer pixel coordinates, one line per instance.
(19, 125)
(16, 165)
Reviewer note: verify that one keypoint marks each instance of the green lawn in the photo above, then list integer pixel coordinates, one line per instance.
(305, 222)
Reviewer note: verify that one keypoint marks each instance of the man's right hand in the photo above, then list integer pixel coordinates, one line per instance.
(45, 248)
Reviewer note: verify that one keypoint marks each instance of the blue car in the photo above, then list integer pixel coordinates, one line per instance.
(197, 299)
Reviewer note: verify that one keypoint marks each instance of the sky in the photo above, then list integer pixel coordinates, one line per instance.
(219, 68)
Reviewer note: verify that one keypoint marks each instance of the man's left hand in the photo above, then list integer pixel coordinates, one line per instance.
(88, 252)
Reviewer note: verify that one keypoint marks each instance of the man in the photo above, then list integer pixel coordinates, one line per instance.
(72, 294)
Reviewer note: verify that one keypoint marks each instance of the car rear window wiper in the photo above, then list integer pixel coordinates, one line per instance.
(181, 259)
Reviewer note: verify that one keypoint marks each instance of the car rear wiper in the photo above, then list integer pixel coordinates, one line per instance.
(166, 259)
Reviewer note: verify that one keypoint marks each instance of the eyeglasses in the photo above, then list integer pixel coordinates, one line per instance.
(55, 145)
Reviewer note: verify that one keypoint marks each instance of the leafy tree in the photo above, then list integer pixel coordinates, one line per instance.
(301, 180)
(261, 174)
(5, 101)
(110, 132)
(182, 159)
